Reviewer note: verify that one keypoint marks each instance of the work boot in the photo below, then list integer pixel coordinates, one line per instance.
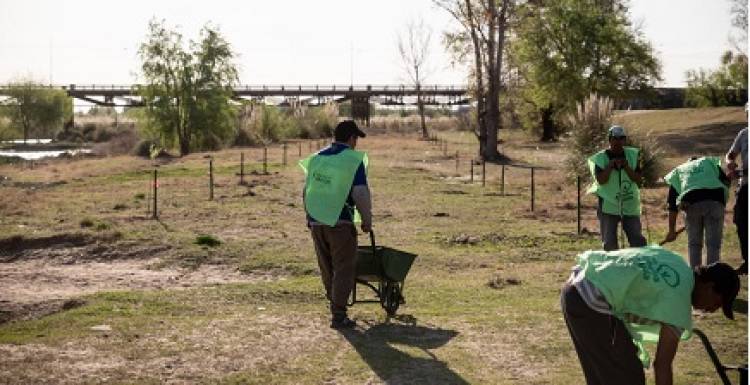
(341, 321)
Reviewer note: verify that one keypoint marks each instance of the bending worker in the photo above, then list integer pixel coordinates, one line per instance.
(616, 174)
(336, 184)
(700, 188)
(616, 301)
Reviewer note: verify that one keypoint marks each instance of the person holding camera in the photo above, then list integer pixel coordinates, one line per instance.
(616, 175)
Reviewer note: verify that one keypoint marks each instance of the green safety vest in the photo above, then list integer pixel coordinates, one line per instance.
(702, 173)
(620, 195)
(647, 282)
(328, 183)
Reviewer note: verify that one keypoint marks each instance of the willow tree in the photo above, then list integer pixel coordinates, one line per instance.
(35, 109)
(187, 90)
(480, 42)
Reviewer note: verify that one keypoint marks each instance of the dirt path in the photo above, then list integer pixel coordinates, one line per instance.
(34, 288)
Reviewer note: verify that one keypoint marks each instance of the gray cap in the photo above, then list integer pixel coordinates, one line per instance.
(616, 132)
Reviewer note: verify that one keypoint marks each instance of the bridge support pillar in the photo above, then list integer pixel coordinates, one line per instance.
(361, 109)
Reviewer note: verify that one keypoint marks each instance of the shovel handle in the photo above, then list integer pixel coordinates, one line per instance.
(372, 239)
(678, 232)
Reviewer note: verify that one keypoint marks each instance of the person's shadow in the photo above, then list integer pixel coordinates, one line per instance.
(379, 346)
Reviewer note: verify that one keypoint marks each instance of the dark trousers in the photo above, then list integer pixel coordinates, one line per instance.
(740, 220)
(336, 248)
(604, 346)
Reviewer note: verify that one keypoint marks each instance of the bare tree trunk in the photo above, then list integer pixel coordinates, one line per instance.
(478, 75)
(420, 107)
(549, 129)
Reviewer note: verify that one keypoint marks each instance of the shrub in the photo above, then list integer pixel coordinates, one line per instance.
(87, 222)
(588, 127)
(207, 240)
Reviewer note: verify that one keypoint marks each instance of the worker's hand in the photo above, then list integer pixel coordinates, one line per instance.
(366, 227)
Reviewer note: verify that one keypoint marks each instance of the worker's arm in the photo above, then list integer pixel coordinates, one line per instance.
(602, 176)
(634, 175)
(363, 202)
(665, 352)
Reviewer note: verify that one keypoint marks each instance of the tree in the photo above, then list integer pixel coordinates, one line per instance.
(413, 47)
(739, 21)
(35, 109)
(481, 42)
(565, 50)
(724, 86)
(187, 93)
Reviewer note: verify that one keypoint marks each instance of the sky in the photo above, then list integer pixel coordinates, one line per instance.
(297, 41)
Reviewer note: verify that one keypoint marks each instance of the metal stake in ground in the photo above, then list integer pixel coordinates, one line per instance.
(299, 149)
(210, 179)
(156, 186)
(471, 162)
(242, 168)
(502, 180)
(284, 157)
(456, 161)
(265, 159)
(532, 189)
(578, 207)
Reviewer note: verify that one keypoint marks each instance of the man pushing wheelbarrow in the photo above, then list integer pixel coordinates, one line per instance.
(335, 189)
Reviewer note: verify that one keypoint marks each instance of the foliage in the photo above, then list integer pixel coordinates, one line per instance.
(207, 240)
(588, 127)
(269, 124)
(187, 93)
(723, 87)
(565, 50)
(649, 157)
(36, 110)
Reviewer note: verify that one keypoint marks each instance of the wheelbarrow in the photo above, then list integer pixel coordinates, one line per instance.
(383, 270)
(721, 369)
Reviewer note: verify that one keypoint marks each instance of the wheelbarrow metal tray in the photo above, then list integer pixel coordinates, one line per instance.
(386, 263)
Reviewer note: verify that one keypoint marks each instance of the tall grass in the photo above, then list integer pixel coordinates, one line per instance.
(588, 127)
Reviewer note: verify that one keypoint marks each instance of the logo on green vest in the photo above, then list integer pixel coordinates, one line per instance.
(626, 192)
(659, 272)
(321, 178)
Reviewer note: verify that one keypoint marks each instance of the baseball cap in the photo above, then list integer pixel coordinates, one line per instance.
(726, 284)
(616, 132)
(346, 129)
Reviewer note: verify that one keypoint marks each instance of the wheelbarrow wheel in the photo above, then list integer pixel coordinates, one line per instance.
(391, 297)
